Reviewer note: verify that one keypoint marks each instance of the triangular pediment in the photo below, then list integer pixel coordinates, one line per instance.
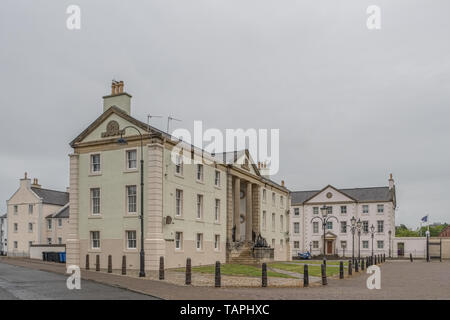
(329, 194)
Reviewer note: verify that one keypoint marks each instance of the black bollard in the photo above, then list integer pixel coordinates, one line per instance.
(264, 275)
(109, 264)
(188, 271)
(341, 270)
(410, 257)
(87, 262)
(350, 268)
(362, 264)
(124, 265)
(161, 268)
(384, 257)
(325, 262)
(305, 276)
(356, 266)
(217, 277)
(97, 262)
(324, 274)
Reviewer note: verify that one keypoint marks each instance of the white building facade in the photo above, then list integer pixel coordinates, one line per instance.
(3, 234)
(373, 206)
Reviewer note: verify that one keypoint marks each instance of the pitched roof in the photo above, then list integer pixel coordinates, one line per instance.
(63, 213)
(59, 198)
(359, 194)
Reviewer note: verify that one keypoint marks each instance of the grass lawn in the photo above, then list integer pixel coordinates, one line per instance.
(235, 270)
(298, 268)
(329, 262)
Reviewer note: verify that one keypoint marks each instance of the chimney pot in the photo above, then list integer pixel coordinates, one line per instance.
(282, 183)
(25, 176)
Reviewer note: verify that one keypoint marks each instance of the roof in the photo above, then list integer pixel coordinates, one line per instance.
(359, 194)
(58, 198)
(63, 213)
(3, 216)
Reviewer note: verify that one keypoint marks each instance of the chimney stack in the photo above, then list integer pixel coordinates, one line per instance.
(282, 183)
(391, 182)
(25, 182)
(118, 98)
(35, 183)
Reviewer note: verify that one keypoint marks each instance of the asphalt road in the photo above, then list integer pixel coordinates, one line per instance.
(28, 284)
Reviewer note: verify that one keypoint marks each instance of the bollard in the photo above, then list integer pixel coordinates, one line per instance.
(97, 262)
(325, 262)
(87, 262)
(188, 271)
(384, 257)
(375, 259)
(341, 270)
(410, 257)
(305, 276)
(350, 267)
(356, 266)
(264, 275)
(124, 265)
(161, 268)
(324, 274)
(362, 264)
(109, 264)
(217, 277)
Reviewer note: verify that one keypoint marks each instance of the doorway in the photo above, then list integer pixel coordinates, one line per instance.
(329, 247)
(400, 249)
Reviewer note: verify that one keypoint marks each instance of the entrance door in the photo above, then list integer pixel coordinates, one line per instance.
(329, 247)
(400, 249)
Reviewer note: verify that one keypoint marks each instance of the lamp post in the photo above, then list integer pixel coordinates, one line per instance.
(324, 219)
(390, 233)
(358, 227)
(310, 247)
(122, 141)
(353, 229)
(344, 245)
(372, 232)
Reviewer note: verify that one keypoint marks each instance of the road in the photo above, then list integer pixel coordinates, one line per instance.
(29, 284)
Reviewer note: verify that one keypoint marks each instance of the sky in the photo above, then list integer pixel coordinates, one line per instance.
(352, 104)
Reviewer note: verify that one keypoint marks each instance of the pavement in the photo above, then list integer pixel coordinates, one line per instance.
(399, 280)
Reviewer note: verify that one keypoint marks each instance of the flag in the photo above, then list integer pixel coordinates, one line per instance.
(425, 219)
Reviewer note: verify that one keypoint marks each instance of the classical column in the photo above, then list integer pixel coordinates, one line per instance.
(154, 243)
(256, 218)
(249, 213)
(73, 237)
(229, 207)
(237, 204)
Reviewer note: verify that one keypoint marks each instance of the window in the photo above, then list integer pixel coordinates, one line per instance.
(264, 218)
(296, 211)
(49, 224)
(281, 201)
(16, 245)
(365, 225)
(264, 195)
(95, 239)
(273, 198)
(217, 211)
(273, 221)
(296, 244)
(131, 159)
(329, 225)
(330, 210)
(365, 208)
(296, 227)
(365, 244)
(199, 241)
(217, 178)
(281, 244)
(30, 227)
(343, 244)
(343, 226)
(343, 209)
(59, 222)
(216, 242)
(16, 209)
(315, 227)
(380, 208)
(380, 226)
(199, 206)
(316, 244)
(178, 202)
(179, 164)
(315, 210)
(199, 172)
(273, 243)
(131, 239)
(178, 240)
(16, 227)
(49, 240)
(95, 163)
(95, 200)
(281, 224)
(30, 208)
(131, 199)
(380, 244)
(59, 240)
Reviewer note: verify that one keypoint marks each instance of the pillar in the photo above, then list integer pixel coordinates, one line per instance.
(73, 238)
(229, 208)
(249, 213)
(237, 213)
(256, 217)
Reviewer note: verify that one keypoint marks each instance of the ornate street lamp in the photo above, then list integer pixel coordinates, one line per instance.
(372, 232)
(324, 219)
(390, 233)
(353, 228)
(358, 227)
(122, 141)
(344, 245)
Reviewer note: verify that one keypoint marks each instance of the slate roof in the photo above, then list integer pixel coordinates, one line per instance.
(359, 194)
(59, 198)
(63, 213)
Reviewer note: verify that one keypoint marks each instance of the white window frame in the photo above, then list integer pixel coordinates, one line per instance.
(30, 209)
(49, 224)
(60, 222)
(95, 240)
(378, 244)
(217, 242)
(296, 227)
(296, 244)
(343, 209)
(315, 210)
(296, 211)
(199, 241)
(264, 197)
(380, 223)
(199, 208)
(199, 172)
(130, 196)
(315, 244)
(16, 209)
(15, 227)
(178, 203)
(217, 176)
(30, 227)
(129, 160)
(273, 222)
(217, 210)
(315, 227)
(329, 223)
(59, 240)
(178, 240)
(281, 223)
(179, 164)
(364, 207)
(365, 244)
(264, 220)
(380, 208)
(343, 228)
(131, 238)
(92, 164)
(93, 206)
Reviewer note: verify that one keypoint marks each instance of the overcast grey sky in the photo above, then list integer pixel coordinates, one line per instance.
(352, 104)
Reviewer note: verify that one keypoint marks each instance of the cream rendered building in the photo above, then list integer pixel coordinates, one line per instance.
(373, 206)
(27, 211)
(189, 209)
(3, 234)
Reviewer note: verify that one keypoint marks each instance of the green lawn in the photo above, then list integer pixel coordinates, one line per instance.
(329, 262)
(235, 270)
(298, 268)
